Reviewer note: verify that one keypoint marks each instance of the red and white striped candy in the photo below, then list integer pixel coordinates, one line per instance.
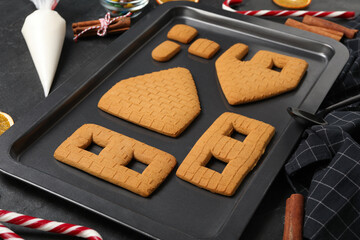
(286, 13)
(7, 234)
(47, 226)
(54, 4)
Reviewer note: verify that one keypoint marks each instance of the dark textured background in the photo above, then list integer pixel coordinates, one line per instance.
(21, 90)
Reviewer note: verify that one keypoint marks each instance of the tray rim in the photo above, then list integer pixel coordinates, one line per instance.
(147, 226)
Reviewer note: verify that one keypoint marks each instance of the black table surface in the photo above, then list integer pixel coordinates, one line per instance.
(21, 91)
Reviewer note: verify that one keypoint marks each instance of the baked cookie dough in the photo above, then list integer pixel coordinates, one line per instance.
(182, 33)
(240, 156)
(165, 51)
(204, 48)
(110, 164)
(165, 101)
(249, 81)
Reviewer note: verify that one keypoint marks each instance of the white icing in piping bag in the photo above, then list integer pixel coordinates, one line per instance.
(44, 33)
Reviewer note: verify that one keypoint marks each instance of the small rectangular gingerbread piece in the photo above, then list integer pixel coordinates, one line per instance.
(111, 163)
(204, 48)
(165, 51)
(182, 33)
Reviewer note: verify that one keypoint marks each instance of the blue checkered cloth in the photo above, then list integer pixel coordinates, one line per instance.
(325, 167)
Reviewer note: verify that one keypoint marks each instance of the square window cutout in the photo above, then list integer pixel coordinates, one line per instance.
(136, 166)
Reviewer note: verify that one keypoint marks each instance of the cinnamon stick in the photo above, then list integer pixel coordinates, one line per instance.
(294, 216)
(315, 21)
(315, 29)
(119, 25)
(86, 23)
(94, 32)
(340, 34)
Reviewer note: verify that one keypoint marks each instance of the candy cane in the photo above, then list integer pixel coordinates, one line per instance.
(55, 3)
(47, 226)
(7, 234)
(286, 13)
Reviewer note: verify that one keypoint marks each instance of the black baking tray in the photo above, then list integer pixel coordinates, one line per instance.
(177, 209)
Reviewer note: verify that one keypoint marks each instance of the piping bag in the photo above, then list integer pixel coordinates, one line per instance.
(44, 33)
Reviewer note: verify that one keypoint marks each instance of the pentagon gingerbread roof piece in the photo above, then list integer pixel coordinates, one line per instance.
(164, 101)
(240, 156)
(248, 81)
(111, 163)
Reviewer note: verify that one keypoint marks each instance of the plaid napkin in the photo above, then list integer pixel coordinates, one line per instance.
(325, 167)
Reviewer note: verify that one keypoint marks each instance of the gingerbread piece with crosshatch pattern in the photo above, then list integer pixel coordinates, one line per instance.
(204, 48)
(111, 163)
(240, 156)
(182, 33)
(165, 101)
(257, 79)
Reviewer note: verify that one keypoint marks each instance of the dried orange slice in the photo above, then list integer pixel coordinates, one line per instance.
(164, 1)
(5, 122)
(293, 4)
